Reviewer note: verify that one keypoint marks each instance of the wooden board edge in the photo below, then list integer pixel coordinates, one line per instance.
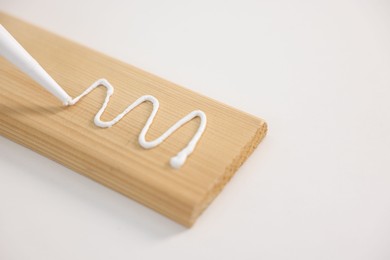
(230, 170)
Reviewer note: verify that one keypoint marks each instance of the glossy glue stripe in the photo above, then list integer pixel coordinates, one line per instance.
(176, 161)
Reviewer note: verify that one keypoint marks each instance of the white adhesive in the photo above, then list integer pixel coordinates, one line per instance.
(176, 161)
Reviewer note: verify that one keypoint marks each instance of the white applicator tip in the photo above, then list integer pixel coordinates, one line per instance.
(11, 50)
(68, 102)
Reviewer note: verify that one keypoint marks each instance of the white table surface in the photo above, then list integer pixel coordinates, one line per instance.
(318, 187)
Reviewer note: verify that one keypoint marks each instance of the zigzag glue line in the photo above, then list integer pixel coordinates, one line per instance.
(176, 161)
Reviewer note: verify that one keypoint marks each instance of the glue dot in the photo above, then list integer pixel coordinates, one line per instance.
(178, 161)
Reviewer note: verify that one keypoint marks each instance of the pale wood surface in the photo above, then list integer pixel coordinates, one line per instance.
(32, 117)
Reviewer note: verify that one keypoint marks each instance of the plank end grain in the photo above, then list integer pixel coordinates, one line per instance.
(34, 118)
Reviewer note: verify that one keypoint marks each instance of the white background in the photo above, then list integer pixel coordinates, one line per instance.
(318, 187)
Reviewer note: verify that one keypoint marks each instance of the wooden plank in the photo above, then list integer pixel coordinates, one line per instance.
(34, 118)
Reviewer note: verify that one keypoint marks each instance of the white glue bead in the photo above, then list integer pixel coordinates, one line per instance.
(178, 161)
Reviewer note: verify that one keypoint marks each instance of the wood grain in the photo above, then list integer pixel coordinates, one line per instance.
(34, 118)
